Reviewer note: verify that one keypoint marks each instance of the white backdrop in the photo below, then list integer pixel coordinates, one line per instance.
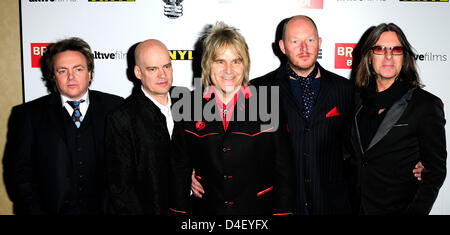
(112, 27)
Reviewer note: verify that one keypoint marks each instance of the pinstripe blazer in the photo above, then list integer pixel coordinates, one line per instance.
(318, 144)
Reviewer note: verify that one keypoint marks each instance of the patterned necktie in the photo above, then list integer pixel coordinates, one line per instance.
(76, 115)
(307, 90)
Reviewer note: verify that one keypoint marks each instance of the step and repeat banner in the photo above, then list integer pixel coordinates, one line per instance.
(113, 27)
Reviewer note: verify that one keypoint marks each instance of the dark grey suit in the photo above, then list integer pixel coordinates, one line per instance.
(52, 167)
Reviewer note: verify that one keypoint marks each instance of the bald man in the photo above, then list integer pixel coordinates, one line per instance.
(137, 144)
(318, 105)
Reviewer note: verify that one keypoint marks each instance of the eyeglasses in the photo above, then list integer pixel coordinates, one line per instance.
(381, 50)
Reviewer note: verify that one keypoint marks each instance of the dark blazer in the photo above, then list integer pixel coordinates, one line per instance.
(318, 143)
(245, 170)
(50, 166)
(137, 149)
(412, 131)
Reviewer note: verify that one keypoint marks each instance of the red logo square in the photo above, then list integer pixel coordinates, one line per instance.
(344, 55)
(37, 50)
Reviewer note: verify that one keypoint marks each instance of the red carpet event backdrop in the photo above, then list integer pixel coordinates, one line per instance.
(113, 27)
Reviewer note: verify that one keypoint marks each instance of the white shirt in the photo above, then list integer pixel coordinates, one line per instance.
(165, 110)
(83, 106)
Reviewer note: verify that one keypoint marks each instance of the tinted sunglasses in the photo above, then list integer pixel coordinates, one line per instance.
(381, 50)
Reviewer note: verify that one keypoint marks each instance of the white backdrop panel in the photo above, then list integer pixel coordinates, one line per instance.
(113, 27)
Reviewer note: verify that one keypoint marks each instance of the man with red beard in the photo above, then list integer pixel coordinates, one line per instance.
(318, 106)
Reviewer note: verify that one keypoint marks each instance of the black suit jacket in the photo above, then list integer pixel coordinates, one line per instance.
(318, 144)
(137, 150)
(412, 131)
(41, 172)
(245, 170)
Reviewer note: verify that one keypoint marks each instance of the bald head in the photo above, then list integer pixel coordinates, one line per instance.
(299, 21)
(154, 69)
(301, 44)
(150, 46)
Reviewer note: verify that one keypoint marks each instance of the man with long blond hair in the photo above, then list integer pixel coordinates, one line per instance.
(244, 165)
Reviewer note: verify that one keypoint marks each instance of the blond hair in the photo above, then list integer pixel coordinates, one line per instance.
(217, 39)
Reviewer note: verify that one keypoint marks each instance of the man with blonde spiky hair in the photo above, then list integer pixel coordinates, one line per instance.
(244, 165)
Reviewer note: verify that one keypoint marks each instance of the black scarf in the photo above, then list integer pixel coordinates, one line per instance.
(369, 118)
(384, 99)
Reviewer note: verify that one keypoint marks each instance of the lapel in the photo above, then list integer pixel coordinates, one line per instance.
(240, 110)
(209, 106)
(323, 98)
(356, 138)
(287, 92)
(392, 116)
(151, 111)
(55, 112)
(90, 112)
(94, 114)
(147, 105)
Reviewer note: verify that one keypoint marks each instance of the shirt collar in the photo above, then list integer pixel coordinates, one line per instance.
(85, 97)
(160, 106)
(245, 90)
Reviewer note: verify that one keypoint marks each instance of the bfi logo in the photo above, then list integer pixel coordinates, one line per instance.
(310, 4)
(344, 55)
(37, 50)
